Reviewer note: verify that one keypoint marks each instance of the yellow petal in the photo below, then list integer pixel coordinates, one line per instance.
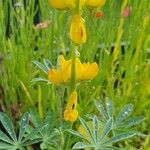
(95, 3)
(90, 71)
(77, 30)
(65, 68)
(54, 76)
(71, 113)
(72, 101)
(62, 4)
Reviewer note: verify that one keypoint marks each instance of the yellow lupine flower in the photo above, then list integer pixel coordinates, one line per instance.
(71, 113)
(77, 29)
(62, 74)
(83, 3)
(62, 4)
(95, 3)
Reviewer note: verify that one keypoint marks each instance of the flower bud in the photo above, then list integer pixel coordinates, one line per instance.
(78, 30)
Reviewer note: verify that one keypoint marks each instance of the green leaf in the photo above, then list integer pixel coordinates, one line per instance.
(101, 109)
(109, 107)
(23, 125)
(40, 80)
(34, 132)
(81, 145)
(35, 119)
(41, 66)
(47, 63)
(49, 118)
(121, 137)
(107, 128)
(88, 130)
(76, 133)
(110, 148)
(31, 142)
(95, 128)
(7, 124)
(5, 138)
(131, 122)
(125, 112)
(5, 146)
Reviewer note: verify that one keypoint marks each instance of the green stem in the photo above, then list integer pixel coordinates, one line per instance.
(59, 104)
(73, 72)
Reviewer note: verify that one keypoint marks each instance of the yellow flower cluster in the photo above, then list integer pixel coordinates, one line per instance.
(70, 4)
(62, 74)
(78, 33)
(71, 113)
(73, 70)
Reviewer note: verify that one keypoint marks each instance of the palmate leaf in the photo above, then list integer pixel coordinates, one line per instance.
(7, 124)
(40, 80)
(120, 137)
(30, 136)
(5, 138)
(101, 109)
(5, 146)
(23, 125)
(76, 134)
(41, 66)
(87, 129)
(131, 122)
(82, 145)
(95, 128)
(110, 148)
(35, 119)
(107, 128)
(47, 63)
(109, 107)
(125, 112)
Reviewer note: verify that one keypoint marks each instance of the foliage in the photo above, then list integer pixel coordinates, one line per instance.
(104, 141)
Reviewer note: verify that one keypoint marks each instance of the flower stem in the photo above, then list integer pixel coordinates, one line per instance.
(73, 72)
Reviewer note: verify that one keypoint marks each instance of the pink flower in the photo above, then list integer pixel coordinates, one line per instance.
(127, 11)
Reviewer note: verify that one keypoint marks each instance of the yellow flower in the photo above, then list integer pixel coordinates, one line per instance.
(83, 3)
(77, 29)
(62, 4)
(95, 3)
(62, 74)
(71, 113)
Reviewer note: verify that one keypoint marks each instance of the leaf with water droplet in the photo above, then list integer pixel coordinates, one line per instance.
(120, 137)
(109, 107)
(125, 112)
(23, 124)
(101, 109)
(131, 122)
(7, 124)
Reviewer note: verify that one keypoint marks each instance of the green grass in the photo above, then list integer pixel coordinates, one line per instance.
(26, 44)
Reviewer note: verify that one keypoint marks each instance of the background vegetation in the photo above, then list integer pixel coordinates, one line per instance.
(125, 79)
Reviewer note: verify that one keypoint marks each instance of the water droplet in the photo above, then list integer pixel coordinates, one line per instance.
(107, 104)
